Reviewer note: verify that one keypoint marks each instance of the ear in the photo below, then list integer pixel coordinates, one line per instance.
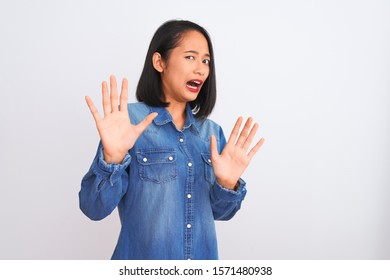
(158, 62)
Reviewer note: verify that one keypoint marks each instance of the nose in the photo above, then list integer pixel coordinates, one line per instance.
(200, 73)
(200, 69)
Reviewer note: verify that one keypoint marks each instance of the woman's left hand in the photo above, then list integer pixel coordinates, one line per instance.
(234, 159)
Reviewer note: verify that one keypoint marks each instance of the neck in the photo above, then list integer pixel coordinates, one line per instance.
(178, 113)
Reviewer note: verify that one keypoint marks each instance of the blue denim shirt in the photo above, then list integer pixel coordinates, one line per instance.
(165, 190)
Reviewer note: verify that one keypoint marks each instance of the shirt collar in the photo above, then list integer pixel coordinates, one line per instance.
(165, 117)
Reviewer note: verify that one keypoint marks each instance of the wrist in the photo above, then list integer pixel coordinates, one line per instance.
(229, 185)
(117, 158)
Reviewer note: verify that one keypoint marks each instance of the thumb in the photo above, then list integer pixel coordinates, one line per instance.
(146, 122)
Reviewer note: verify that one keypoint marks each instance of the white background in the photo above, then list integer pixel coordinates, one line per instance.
(314, 74)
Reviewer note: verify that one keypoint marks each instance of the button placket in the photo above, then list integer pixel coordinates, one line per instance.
(188, 202)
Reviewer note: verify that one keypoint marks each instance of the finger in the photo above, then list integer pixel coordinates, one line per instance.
(254, 150)
(213, 148)
(113, 94)
(244, 133)
(146, 122)
(250, 137)
(93, 109)
(124, 95)
(234, 133)
(106, 99)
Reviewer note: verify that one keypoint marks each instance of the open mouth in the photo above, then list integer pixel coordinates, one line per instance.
(194, 85)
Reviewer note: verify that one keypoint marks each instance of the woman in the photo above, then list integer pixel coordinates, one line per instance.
(165, 166)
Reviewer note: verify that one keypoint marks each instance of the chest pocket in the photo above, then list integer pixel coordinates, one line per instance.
(208, 168)
(157, 165)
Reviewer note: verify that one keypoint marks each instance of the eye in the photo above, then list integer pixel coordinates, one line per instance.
(191, 57)
(206, 61)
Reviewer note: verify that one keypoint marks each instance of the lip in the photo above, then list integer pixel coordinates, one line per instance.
(194, 85)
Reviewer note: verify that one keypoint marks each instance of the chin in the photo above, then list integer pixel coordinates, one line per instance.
(191, 96)
(191, 99)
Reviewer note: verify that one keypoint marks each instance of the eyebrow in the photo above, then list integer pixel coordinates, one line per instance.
(196, 52)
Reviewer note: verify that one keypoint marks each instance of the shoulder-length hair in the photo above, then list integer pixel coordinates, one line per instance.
(166, 38)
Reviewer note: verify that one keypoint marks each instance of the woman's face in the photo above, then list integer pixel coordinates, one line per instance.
(186, 69)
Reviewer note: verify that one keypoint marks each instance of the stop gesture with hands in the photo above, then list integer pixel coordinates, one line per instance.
(118, 136)
(234, 159)
(116, 132)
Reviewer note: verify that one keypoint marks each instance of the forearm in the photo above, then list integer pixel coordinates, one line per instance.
(103, 187)
(225, 202)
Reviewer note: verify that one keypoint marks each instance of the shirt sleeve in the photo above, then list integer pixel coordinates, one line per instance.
(224, 202)
(103, 186)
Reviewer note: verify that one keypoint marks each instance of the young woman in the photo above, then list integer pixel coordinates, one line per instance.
(167, 168)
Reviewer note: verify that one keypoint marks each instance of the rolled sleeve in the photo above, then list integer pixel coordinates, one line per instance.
(103, 186)
(224, 202)
(110, 171)
(222, 193)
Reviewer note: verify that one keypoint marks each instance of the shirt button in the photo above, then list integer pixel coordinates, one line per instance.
(181, 140)
(170, 158)
(209, 160)
(145, 159)
(189, 195)
(189, 226)
(189, 164)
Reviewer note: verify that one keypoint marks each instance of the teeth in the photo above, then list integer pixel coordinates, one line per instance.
(195, 82)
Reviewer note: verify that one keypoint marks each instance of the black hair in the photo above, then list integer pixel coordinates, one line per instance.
(166, 38)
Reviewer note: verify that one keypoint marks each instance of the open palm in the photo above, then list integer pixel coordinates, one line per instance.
(234, 159)
(116, 132)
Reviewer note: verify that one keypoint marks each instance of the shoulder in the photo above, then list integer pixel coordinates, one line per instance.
(208, 127)
(207, 124)
(137, 111)
(138, 107)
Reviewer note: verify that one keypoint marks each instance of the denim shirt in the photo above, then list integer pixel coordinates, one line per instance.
(165, 190)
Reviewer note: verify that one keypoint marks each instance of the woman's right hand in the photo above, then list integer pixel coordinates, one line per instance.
(116, 132)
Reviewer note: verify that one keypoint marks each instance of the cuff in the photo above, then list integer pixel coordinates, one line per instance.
(110, 171)
(230, 195)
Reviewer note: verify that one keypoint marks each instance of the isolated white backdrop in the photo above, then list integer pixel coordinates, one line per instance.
(314, 74)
